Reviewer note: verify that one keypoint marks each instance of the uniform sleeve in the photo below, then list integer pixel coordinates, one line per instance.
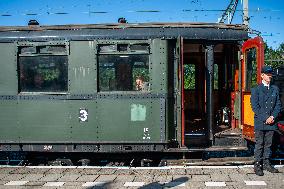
(277, 107)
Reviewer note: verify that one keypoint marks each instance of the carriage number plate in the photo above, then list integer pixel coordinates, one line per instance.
(83, 115)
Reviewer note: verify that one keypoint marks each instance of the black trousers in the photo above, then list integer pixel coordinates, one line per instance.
(263, 142)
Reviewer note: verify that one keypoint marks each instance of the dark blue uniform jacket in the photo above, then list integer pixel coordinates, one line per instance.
(265, 103)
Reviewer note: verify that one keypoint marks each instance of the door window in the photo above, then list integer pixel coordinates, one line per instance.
(251, 71)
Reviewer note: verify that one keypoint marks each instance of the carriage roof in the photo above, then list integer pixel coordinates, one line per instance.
(194, 31)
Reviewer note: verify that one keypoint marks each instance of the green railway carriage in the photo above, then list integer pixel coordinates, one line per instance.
(122, 87)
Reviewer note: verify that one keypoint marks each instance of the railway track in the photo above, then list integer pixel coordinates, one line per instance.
(120, 161)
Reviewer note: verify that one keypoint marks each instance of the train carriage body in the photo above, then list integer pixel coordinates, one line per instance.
(126, 87)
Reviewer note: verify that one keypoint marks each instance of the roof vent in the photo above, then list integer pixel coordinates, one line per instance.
(122, 20)
(33, 23)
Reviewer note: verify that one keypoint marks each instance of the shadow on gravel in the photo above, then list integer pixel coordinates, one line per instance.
(173, 183)
(153, 185)
(103, 185)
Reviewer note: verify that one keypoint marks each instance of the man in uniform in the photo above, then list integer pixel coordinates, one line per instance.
(266, 106)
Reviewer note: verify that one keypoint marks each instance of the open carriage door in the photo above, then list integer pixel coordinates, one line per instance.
(179, 91)
(252, 62)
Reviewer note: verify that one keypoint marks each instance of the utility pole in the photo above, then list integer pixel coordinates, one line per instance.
(229, 12)
(245, 13)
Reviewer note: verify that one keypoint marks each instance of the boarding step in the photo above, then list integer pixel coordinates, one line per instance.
(229, 137)
(224, 161)
(225, 148)
(196, 139)
(226, 152)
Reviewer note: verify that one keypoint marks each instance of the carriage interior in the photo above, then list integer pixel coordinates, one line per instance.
(224, 80)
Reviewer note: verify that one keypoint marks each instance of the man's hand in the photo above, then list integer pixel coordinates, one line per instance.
(269, 120)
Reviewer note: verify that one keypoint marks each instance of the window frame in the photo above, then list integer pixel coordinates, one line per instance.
(127, 52)
(19, 45)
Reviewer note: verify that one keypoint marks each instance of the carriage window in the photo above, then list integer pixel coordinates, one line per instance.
(123, 72)
(43, 69)
(251, 74)
(189, 76)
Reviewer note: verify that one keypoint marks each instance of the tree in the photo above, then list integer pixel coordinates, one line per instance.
(274, 58)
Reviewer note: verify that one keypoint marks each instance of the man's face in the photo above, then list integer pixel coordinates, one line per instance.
(266, 77)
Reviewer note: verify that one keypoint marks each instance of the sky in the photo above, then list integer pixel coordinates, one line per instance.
(266, 16)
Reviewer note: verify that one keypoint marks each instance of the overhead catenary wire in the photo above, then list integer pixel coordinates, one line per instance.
(138, 11)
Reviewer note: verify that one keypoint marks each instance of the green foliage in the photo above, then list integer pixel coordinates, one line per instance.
(251, 69)
(272, 57)
(107, 78)
(189, 76)
(49, 74)
(215, 77)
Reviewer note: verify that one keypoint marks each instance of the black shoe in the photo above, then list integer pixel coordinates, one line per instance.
(267, 166)
(258, 169)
